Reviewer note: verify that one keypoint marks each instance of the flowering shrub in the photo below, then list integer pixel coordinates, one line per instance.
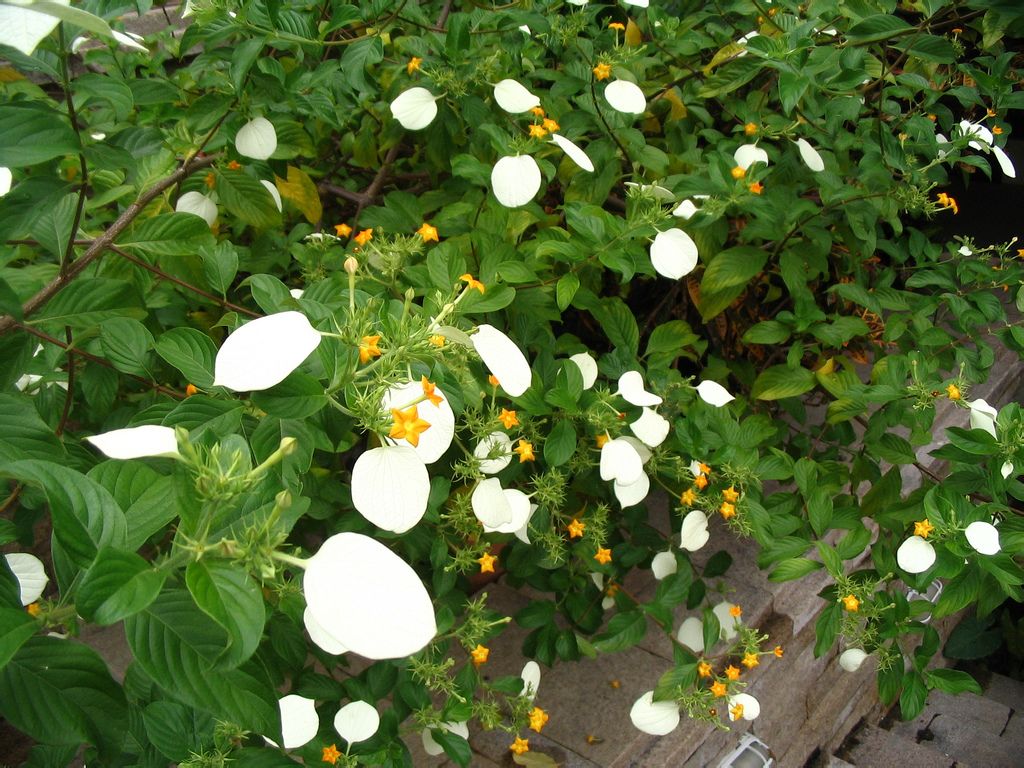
(314, 314)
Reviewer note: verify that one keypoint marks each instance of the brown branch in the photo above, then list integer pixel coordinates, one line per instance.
(100, 244)
(371, 192)
(69, 393)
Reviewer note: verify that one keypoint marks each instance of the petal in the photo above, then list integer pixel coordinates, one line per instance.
(641, 450)
(130, 40)
(434, 749)
(296, 293)
(652, 428)
(519, 504)
(490, 504)
(1005, 163)
(513, 96)
(269, 186)
(319, 635)
(631, 387)
(983, 416)
(631, 494)
(749, 154)
(851, 659)
(24, 29)
(915, 555)
(299, 721)
(256, 139)
(515, 180)
(685, 209)
(30, 573)
(658, 192)
(694, 533)
(664, 564)
(673, 254)
(637, 3)
(436, 440)
(199, 205)
(415, 108)
(496, 444)
(523, 534)
(809, 155)
(713, 393)
(620, 462)
(1006, 470)
(264, 351)
(503, 359)
(587, 366)
(368, 598)
(531, 679)
(575, 154)
(356, 721)
(654, 717)
(390, 487)
(691, 634)
(751, 706)
(6, 179)
(726, 620)
(626, 97)
(136, 442)
(984, 537)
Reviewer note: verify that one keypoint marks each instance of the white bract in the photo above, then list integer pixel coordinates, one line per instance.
(130, 40)
(368, 598)
(713, 393)
(514, 97)
(728, 622)
(531, 679)
(137, 442)
(264, 351)
(1006, 470)
(490, 504)
(199, 205)
(658, 192)
(631, 494)
(24, 29)
(694, 533)
(390, 487)
(651, 428)
(631, 388)
(497, 445)
(673, 254)
(685, 209)
(436, 439)
(415, 108)
(748, 707)
(503, 359)
(523, 534)
(256, 139)
(654, 717)
(749, 154)
(625, 97)
(269, 186)
(915, 555)
(638, 3)
(575, 153)
(587, 366)
(984, 537)
(515, 180)
(520, 511)
(664, 564)
(691, 634)
(319, 635)
(620, 462)
(641, 450)
(851, 659)
(299, 721)
(6, 179)
(810, 156)
(981, 138)
(356, 721)
(431, 747)
(983, 416)
(30, 574)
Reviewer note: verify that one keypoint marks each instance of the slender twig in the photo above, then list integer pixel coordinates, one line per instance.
(69, 393)
(442, 18)
(9, 501)
(371, 192)
(65, 77)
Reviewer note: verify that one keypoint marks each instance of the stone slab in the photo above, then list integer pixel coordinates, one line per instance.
(878, 748)
(1006, 691)
(944, 715)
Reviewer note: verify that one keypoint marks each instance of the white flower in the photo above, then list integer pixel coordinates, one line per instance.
(199, 205)
(531, 679)
(523, 534)
(654, 717)
(658, 192)
(490, 504)
(415, 108)
(1006, 470)
(745, 705)
(810, 156)
(513, 96)
(691, 634)
(24, 29)
(685, 209)
(503, 359)
(269, 186)
(982, 139)
(726, 620)
(983, 416)
(6, 179)
(984, 537)
(607, 601)
(652, 428)
(587, 366)
(713, 393)
(641, 450)
(515, 180)
(256, 139)
(630, 494)
(319, 635)
(626, 97)
(915, 555)
(631, 388)
(963, 250)
(30, 574)
(437, 438)
(498, 445)
(525, 29)
(574, 152)
(664, 564)
(130, 40)
(368, 598)
(356, 721)
(137, 442)
(296, 293)
(520, 510)
(264, 351)
(620, 462)
(749, 154)
(694, 533)
(673, 254)
(434, 749)
(390, 487)
(299, 721)
(743, 41)
(579, 3)
(638, 3)
(851, 659)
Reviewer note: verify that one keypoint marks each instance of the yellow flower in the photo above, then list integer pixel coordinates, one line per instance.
(602, 71)
(437, 340)
(330, 754)
(603, 556)
(509, 418)
(190, 390)
(750, 129)
(364, 236)
(718, 689)
(948, 202)
(493, 380)
(704, 669)
(519, 746)
(525, 451)
(472, 282)
(408, 425)
(728, 510)
(756, 188)
(736, 710)
(368, 348)
(430, 391)
(342, 230)
(538, 131)
(210, 180)
(413, 65)
(688, 497)
(922, 528)
(537, 111)
(601, 440)
(234, 165)
(487, 561)
(735, 611)
(851, 603)
(738, 172)
(550, 125)
(538, 719)
(953, 392)
(778, 651)
(32, 609)
(617, 25)
(701, 481)
(750, 660)
(576, 528)
(704, 468)
(427, 232)
(731, 495)
(733, 673)
(997, 130)
(480, 654)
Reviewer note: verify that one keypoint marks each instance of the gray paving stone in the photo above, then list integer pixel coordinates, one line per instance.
(878, 748)
(944, 714)
(1006, 691)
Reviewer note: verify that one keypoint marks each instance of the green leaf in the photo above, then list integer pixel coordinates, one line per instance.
(190, 351)
(126, 344)
(246, 198)
(25, 434)
(782, 381)
(560, 444)
(456, 747)
(767, 332)
(893, 448)
(227, 594)
(169, 234)
(826, 629)
(624, 631)
(177, 731)
(568, 284)
(619, 324)
(976, 441)
(793, 568)
(220, 265)
(16, 627)
(116, 586)
(144, 495)
(713, 303)
(87, 302)
(878, 27)
(733, 267)
(34, 133)
(53, 226)
(973, 638)
(914, 695)
(668, 340)
(298, 396)
(669, 684)
(952, 681)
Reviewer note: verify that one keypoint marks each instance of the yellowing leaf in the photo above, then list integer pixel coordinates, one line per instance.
(725, 53)
(302, 192)
(829, 366)
(8, 75)
(677, 111)
(633, 34)
(534, 759)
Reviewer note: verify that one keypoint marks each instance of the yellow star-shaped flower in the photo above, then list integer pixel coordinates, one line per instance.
(733, 673)
(617, 25)
(704, 468)
(480, 654)
(756, 188)
(750, 660)
(427, 232)
(520, 746)
(922, 528)
(330, 754)
(413, 65)
(576, 528)
(953, 392)
(538, 719)
(851, 603)
(736, 710)
(364, 236)
(472, 282)
(731, 495)
(750, 129)
(688, 497)
(487, 561)
(727, 510)
(538, 131)
(704, 669)
(493, 380)
(602, 71)
(735, 611)
(537, 111)
(437, 340)
(738, 172)
(701, 481)
(342, 230)
(550, 125)
(408, 425)
(430, 391)
(603, 556)
(778, 651)
(508, 418)
(718, 689)
(601, 440)
(525, 451)
(368, 348)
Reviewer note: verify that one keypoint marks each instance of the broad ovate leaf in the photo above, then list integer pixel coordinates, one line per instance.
(984, 537)
(256, 139)
(503, 359)
(356, 721)
(514, 97)
(368, 598)
(651, 428)
(137, 442)
(713, 393)
(415, 108)
(390, 487)
(23, 28)
(694, 533)
(575, 153)
(199, 205)
(264, 351)
(631, 388)
(515, 180)
(588, 368)
(657, 718)
(915, 555)
(673, 254)
(497, 446)
(625, 97)
(435, 440)
(490, 504)
(30, 573)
